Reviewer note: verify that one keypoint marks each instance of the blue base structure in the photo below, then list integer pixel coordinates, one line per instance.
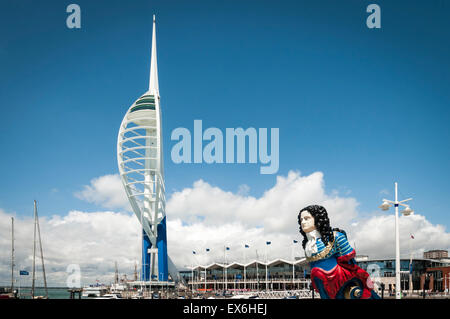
(146, 245)
(161, 244)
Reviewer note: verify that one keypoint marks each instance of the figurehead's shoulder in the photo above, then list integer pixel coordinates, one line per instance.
(339, 235)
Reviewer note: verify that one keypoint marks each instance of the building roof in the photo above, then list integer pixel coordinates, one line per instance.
(237, 265)
(403, 259)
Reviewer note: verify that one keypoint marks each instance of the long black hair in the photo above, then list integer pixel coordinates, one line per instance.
(322, 223)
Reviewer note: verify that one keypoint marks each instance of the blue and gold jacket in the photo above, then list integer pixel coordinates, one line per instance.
(327, 256)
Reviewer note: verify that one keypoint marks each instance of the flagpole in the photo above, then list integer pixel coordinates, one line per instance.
(34, 253)
(192, 274)
(12, 254)
(266, 267)
(20, 280)
(257, 271)
(223, 272)
(410, 265)
(245, 277)
(293, 264)
(226, 271)
(207, 250)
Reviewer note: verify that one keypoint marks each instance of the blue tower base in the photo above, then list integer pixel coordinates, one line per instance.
(146, 245)
(161, 244)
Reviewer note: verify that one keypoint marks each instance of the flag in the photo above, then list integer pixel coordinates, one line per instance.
(295, 241)
(23, 273)
(193, 252)
(207, 249)
(246, 246)
(268, 242)
(228, 248)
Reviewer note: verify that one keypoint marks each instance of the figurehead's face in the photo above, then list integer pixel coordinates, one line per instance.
(307, 222)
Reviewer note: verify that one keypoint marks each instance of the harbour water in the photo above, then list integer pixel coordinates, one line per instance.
(53, 293)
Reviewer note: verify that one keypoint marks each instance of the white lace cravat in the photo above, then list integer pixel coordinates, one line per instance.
(311, 247)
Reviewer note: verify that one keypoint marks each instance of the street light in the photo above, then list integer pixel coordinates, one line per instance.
(406, 212)
(385, 206)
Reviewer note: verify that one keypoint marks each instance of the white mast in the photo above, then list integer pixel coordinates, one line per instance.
(37, 229)
(42, 255)
(12, 254)
(34, 253)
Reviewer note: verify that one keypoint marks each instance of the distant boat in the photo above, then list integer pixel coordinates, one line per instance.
(110, 296)
(94, 291)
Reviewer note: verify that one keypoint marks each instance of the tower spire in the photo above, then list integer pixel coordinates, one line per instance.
(153, 86)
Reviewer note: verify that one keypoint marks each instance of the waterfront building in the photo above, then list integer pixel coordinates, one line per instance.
(435, 254)
(295, 275)
(255, 275)
(383, 271)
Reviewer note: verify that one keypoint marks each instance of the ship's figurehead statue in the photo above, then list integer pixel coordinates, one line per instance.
(334, 273)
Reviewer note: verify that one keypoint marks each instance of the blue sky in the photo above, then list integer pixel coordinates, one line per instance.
(366, 107)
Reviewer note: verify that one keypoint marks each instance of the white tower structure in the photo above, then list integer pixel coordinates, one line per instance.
(141, 167)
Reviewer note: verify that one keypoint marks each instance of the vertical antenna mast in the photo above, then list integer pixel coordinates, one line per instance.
(153, 83)
(12, 254)
(34, 253)
(42, 254)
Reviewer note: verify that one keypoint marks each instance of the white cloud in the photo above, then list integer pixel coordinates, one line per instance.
(204, 216)
(92, 240)
(375, 236)
(106, 191)
(276, 210)
(243, 190)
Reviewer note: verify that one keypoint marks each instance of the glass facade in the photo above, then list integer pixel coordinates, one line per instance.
(146, 102)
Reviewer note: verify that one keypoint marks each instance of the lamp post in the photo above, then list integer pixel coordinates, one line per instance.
(406, 212)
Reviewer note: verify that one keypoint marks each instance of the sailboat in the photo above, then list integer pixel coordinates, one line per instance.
(38, 232)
